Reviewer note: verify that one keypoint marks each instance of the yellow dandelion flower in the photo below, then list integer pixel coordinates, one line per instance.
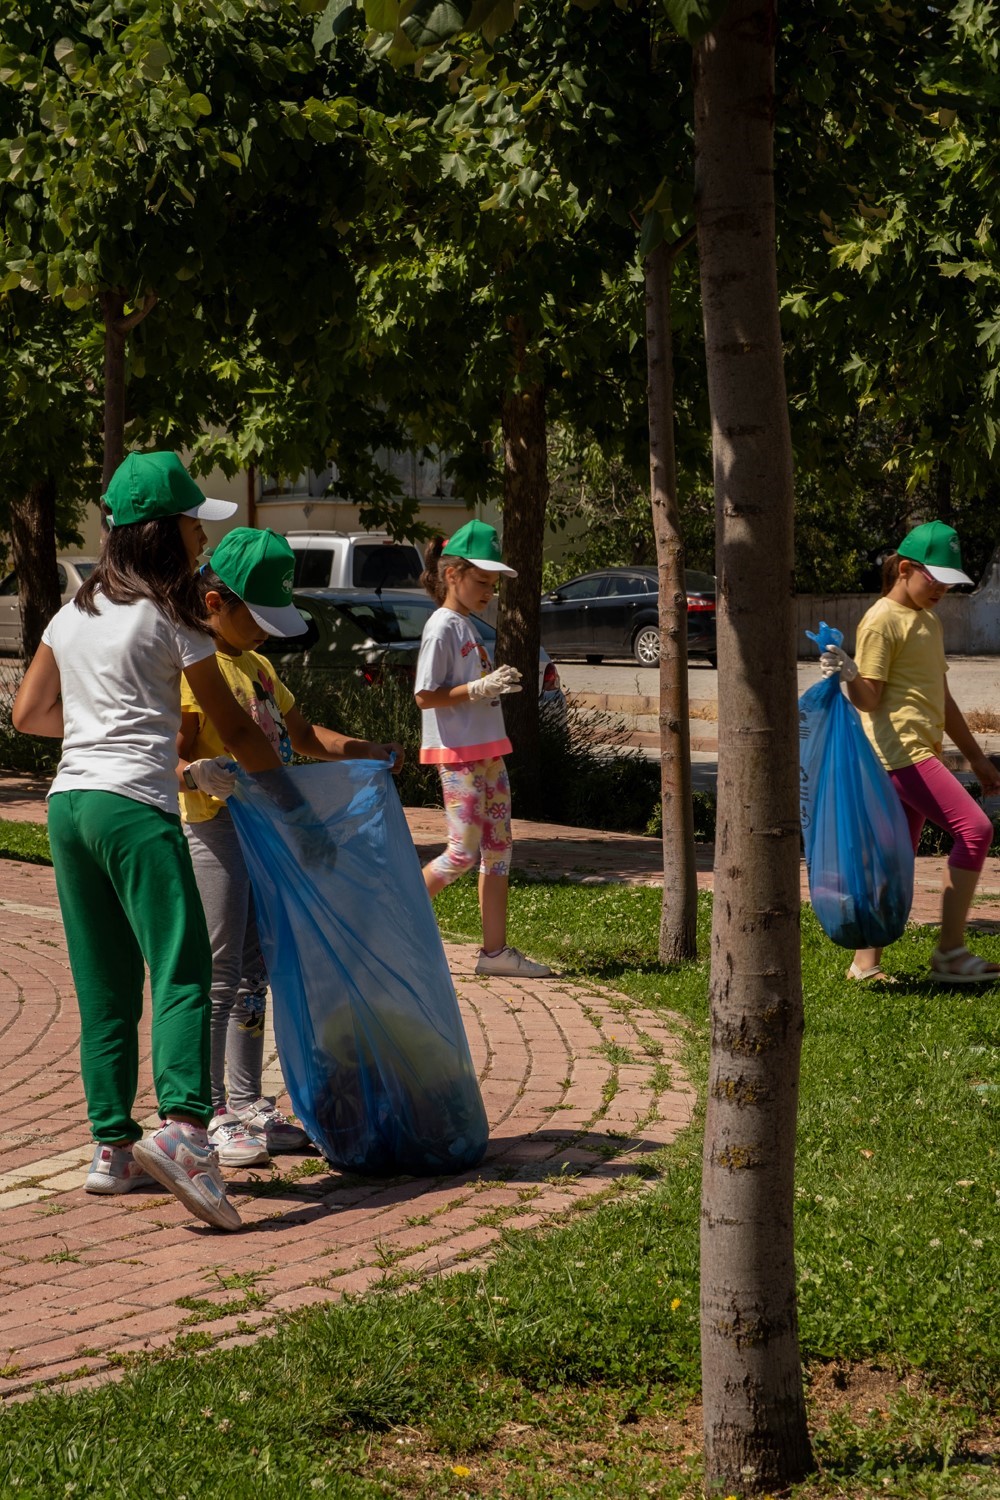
(463, 1472)
(675, 1304)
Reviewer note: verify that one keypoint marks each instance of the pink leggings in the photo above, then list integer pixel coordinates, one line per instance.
(929, 792)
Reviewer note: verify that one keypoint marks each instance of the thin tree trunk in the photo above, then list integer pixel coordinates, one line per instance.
(756, 1436)
(33, 549)
(679, 907)
(113, 306)
(117, 327)
(525, 498)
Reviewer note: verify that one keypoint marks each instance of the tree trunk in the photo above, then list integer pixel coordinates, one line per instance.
(679, 907)
(117, 327)
(525, 498)
(113, 306)
(755, 1426)
(33, 549)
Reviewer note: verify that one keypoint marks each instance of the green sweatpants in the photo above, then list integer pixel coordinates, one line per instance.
(127, 894)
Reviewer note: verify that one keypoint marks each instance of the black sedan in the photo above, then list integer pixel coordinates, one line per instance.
(614, 612)
(364, 635)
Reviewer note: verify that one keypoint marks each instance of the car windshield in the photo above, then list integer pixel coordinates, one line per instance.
(84, 569)
(699, 583)
(387, 620)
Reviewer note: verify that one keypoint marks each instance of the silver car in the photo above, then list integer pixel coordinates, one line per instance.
(72, 572)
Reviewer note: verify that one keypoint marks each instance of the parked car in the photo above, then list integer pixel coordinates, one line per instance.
(614, 612)
(72, 572)
(353, 560)
(365, 634)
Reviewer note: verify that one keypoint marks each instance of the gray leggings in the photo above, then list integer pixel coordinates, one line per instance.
(239, 978)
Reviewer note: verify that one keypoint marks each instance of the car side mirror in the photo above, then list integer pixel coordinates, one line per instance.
(555, 597)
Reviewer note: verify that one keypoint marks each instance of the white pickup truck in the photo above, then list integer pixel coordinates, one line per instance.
(353, 560)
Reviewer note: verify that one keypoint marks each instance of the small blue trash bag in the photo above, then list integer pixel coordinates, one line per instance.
(858, 849)
(371, 1042)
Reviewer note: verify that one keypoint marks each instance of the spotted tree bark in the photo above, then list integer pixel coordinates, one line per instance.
(679, 905)
(756, 1436)
(525, 497)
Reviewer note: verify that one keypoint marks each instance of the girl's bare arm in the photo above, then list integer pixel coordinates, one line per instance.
(38, 706)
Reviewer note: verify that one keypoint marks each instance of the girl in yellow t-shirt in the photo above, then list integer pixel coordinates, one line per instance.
(898, 682)
(248, 597)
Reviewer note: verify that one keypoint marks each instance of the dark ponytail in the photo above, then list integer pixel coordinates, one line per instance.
(431, 578)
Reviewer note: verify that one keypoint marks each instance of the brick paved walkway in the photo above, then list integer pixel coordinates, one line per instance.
(85, 1281)
(576, 1096)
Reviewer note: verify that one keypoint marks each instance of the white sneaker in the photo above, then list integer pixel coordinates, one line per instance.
(180, 1157)
(263, 1121)
(234, 1145)
(115, 1170)
(509, 963)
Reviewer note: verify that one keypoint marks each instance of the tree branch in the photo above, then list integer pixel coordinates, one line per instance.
(125, 325)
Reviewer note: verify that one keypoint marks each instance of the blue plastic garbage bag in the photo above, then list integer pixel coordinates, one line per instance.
(858, 849)
(371, 1042)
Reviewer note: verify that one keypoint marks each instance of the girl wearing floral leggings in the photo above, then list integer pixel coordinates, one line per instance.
(458, 693)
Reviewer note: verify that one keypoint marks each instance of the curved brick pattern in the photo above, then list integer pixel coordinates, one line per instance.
(576, 1093)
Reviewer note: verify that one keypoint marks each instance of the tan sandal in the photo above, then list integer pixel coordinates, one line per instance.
(959, 966)
(875, 975)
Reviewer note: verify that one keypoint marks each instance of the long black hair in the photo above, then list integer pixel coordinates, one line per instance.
(146, 560)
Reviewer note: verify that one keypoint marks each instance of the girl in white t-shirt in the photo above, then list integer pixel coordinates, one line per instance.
(458, 693)
(106, 680)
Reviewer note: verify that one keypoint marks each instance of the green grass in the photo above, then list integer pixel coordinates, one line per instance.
(25, 841)
(565, 1369)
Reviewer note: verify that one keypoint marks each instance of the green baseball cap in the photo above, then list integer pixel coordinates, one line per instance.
(479, 544)
(935, 547)
(148, 486)
(259, 567)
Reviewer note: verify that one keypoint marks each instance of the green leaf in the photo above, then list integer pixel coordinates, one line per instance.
(382, 15)
(693, 19)
(200, 104)
(337, 18)
(651, 234)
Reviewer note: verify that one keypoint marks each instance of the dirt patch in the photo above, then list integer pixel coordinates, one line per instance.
(983, 721)
(582, 1443)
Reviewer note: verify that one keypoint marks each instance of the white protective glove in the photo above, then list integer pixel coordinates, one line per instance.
(834, 662)
(215, 776)
(496, 684)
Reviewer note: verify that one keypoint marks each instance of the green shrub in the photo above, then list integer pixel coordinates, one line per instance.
(21, 752)
(704, 818)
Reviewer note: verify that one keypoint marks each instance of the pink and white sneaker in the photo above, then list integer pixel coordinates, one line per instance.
(179, 1156)
(114, 1169)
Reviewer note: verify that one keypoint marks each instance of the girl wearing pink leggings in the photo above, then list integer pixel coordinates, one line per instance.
(898, 682)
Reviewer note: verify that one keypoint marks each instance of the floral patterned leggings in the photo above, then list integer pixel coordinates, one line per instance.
(477, 805)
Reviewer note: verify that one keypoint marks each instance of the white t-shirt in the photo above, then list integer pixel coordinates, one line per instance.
(473, 729)
(120, 679)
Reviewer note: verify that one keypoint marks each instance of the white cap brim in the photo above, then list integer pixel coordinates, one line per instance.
(950, 576)
(485, 567)
(214, 510)
(279, 619)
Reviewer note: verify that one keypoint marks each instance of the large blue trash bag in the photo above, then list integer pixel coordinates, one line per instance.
(369, 1034)
(858, 849)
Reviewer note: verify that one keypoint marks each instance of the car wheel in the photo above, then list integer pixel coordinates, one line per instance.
(646, 646)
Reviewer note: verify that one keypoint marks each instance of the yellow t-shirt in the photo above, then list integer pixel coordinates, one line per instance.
(258, 689)
(904, 648)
